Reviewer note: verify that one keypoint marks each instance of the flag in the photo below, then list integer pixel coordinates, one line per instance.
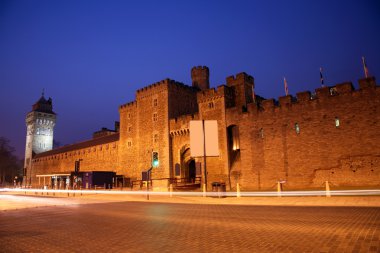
(321, 77)
(286, 87)
(253, 94)
(365, 67)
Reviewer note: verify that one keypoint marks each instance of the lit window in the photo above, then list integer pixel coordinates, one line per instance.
(333, 91)
(297, 128)
(155, 117)
(38, 131)
(155, 102)
(261, 133)
(337, 122)
(235, 138)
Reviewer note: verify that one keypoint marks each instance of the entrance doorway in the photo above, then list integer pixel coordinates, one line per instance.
(188, 167)
(191, 171)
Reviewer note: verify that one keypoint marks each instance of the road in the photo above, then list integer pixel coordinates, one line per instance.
(168, 227)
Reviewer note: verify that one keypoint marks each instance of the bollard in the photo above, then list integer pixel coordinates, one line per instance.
(328, 194)
(171, 190)
(238, 190)
(278, 189)
(204, 190)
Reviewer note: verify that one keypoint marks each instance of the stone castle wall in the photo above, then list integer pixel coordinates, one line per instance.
(271, 149)
(345, 155)
(102, 157)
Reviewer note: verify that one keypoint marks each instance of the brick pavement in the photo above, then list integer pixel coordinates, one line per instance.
(167, 227)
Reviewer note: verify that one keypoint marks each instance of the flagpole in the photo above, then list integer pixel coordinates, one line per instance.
(286, 87)
(321, 77)
(365, 67)
(253, 94)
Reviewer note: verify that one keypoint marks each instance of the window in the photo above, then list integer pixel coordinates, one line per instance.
(155, 138)
(129, 115)
(211, 105)
(297, 128)
(337, 122)
(333, 91)
(129, 129)
(155, 102)
(233, 138)
(261, 133)
(129, 143)
(155, 117)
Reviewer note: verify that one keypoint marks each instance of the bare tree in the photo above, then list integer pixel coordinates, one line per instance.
(10, 165)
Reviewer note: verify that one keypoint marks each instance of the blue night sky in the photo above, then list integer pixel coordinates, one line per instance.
(91, 56)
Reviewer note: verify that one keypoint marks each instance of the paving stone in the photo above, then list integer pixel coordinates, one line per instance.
(168, 227)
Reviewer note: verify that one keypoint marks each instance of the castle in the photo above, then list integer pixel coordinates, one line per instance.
(330, 135)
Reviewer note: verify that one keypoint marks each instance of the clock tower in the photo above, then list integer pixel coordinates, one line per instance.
(40, 124)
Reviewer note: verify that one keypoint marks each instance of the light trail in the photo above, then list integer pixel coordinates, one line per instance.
(200, 194)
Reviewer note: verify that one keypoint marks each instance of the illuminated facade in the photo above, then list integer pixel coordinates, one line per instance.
(332, 134)
(40, 124)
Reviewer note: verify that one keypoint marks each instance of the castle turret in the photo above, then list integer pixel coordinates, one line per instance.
(200, 77)
(40, 124)
(242, 85)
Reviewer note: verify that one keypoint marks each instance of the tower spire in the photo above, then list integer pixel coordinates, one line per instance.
(43, 92)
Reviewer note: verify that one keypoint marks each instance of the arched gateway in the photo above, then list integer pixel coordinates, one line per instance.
(188, 168)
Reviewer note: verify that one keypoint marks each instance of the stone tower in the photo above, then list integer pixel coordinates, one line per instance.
(40, 124)
(200, 77)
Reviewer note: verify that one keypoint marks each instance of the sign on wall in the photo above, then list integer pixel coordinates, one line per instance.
(204, 133)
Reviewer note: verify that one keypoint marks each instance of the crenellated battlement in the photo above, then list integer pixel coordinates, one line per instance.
(321, 94)
(199, 68)
(239, 78)
(211, 94)
(162, 85)
(200, 77)
(183, 86)
(156, 85)
(128, 105)
(180, 125)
